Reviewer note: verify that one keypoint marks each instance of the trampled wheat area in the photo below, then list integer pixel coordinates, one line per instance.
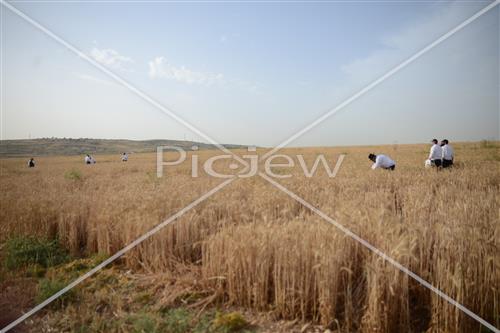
(252, 246)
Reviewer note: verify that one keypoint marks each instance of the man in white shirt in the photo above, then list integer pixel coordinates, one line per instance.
(382, 161)
(448, 154)
(89, 159)
(124, 157)
(436, 153)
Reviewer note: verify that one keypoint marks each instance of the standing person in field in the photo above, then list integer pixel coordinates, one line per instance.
(382, 161)
(436, 154)
(448, 154)
(124, 157)
(31, 163)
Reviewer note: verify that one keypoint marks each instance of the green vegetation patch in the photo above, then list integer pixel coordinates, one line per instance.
(486, 144)
(181, 320)
(177, 321)
(74, 175)
(229, 322)
(144, 322)
(77, 267)
(56, 278)
(48, 287)
(25, 251)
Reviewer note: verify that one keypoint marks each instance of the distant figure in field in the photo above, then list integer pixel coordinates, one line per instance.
(31, 163)
(89, 159)
(382, 161)
(124, 157)
(448, 154)
(436, 154)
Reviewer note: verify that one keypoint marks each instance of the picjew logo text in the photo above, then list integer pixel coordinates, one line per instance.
(274, 166)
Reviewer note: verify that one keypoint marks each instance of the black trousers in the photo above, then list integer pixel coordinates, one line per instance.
(436, 163)
(392, 167)
(447, 163)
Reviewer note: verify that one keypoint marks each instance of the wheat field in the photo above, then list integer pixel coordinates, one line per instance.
(252, 246)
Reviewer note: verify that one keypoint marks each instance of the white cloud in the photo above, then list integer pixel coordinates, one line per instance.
(111, 58)
(161, 68)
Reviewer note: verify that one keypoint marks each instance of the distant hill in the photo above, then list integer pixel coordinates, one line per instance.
(54, 146)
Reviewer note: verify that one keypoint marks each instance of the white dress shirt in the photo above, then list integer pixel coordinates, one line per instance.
(382, 161)
(447, 152)
(87, 159)
(436, 152)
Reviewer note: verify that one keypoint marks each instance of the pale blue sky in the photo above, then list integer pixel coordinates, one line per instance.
(252, 73)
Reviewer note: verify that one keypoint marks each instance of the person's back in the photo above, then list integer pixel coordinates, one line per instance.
(124, 157)
(88, 160)
(31, 163)
(382, 161)
(447, 154)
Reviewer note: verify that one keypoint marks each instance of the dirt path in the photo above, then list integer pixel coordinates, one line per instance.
(16, 297)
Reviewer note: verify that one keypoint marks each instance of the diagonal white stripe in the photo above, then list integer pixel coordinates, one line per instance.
(117, 255)
(122, 81)
(383, 78)
(380, 253)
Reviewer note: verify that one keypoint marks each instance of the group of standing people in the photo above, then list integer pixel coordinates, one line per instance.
(90, 159)
(440, 156)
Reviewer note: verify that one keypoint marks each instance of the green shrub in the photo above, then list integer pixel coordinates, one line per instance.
(204, 324)
(487, 144)
(229, 322)
(36, 271)
(83, 264)
(73, 175)
(83, 328)
(24, 251)
(177, 321)
(143, 322)
(494, 157)
(48, 287)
